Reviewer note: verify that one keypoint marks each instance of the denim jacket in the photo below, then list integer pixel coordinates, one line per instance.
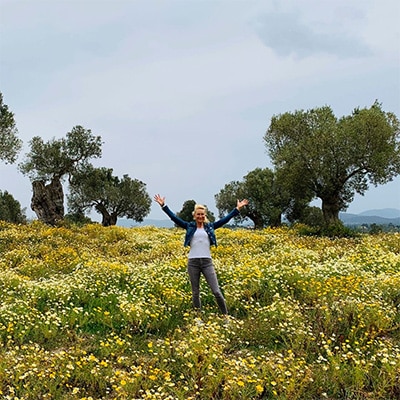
(191, 227)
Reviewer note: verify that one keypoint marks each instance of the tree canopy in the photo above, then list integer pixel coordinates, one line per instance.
(335, 158)
(10, 144)
(10, 209)
(109, 195)
(268, 199)
(57, 158)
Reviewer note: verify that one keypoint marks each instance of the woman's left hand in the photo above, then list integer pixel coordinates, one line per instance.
(160, 200)
(241, 203)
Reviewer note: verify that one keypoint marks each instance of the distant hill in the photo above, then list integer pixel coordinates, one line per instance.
(383, 216)
(384, 212)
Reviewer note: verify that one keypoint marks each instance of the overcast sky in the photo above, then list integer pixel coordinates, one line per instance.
(182, 92)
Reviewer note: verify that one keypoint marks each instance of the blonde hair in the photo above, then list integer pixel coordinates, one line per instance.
(200, 207)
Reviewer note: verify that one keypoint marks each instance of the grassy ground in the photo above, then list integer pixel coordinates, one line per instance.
(105, 313)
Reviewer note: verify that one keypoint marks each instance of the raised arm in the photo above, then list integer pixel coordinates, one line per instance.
(232, 214)
(178, 221)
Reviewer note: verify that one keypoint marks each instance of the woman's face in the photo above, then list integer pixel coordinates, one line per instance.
(200, 216)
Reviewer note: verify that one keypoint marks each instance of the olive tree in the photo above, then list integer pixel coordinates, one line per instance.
(109, 195)
(10, 144)
(10, 209)
(334, 158)
(268, 198)
(49, 163)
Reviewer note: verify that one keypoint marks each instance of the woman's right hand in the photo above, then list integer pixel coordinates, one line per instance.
(160, 200)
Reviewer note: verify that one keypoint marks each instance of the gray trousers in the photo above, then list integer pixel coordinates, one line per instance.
(196, 267)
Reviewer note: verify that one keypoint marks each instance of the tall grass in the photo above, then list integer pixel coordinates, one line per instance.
(105, 313)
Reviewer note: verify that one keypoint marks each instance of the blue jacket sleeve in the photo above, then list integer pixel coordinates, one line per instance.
(226, 219)
(178, 221)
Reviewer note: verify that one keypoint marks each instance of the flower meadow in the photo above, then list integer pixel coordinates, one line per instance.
(105, 313)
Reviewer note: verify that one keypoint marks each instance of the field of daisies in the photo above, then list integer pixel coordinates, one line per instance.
(105, 313)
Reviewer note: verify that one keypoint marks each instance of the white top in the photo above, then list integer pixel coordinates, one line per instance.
(200, 245)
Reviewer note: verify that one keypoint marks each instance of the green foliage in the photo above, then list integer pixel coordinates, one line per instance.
(187, 210)
(59, 157)
(335, 158)
(227, 197)
(77, 218)
(375, 229)
(10, 144)
(312, 216)
(111, 196)
(10, 209)
(267, 193)
(337, 230)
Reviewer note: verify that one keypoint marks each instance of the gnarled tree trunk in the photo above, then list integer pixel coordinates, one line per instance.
(48, 201)
(330, 209)
(107, 218)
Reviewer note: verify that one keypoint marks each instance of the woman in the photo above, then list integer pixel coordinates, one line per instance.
(200, 235)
